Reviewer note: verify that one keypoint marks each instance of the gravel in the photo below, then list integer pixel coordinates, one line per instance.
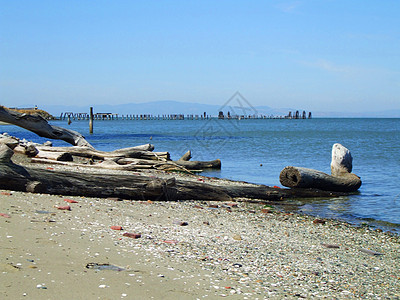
(240, 249)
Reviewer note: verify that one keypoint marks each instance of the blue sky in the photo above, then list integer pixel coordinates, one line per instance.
(313, 55)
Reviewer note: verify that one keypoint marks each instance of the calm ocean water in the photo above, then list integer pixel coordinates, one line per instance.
(257, 150)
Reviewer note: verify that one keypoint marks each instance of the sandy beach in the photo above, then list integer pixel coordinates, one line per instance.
(185, 250)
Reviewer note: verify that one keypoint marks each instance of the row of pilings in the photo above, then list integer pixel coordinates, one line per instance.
(111, 116)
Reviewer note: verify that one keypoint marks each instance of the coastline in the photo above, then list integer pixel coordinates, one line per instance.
(379, 188)
(187, 250)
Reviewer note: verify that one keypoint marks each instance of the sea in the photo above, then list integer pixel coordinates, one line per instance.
(256, 150)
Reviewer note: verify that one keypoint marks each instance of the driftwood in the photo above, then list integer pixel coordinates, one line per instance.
(189, 165)
(187, 156)
(133, 152)
(9, 141)
(199, 165)
(135, 157)
(342, 161)
(308, 178)
(28, 150)
(341, 180)
(58, 156)
(134, 164)
(107, 164)
(136, 187)
(41, 127)
(93, 184)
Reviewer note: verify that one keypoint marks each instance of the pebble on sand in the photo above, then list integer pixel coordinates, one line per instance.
(116, 227)
(64, 207)
(132, 235)
(70, 201)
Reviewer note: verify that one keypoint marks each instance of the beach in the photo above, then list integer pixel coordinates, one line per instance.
(186, 250)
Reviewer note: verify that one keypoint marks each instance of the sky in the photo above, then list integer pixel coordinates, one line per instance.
(321, 55)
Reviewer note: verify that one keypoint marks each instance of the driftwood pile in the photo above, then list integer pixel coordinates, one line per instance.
(134, 186)
(97, 181)
(126, 159)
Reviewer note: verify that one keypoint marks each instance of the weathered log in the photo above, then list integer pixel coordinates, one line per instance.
(9, 141)
(297, 177)
(189, 165)
(135, 161)
(28, 150)
(199, 165)
(145, 147)
(58, 156)
(5, 154)
(41, 127)
(107, 164)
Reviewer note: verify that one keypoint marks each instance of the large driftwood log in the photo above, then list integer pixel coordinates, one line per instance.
(137, 187)
(341, 180)
(41, 127)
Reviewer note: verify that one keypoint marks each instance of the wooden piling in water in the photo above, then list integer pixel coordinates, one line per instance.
(91, 120)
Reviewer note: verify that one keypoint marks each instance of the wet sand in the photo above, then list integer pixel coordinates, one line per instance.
(186, 250)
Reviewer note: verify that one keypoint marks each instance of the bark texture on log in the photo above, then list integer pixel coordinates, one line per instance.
(41, 127)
